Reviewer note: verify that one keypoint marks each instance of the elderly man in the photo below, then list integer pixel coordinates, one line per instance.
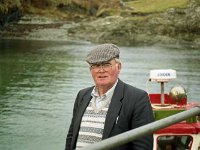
(110, 107)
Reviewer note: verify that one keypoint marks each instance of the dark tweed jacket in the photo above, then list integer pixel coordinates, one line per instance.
(130, 105)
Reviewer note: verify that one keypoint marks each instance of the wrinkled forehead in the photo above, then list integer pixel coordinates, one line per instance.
(101, 63)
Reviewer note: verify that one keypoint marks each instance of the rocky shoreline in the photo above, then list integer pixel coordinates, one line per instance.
(175, 26)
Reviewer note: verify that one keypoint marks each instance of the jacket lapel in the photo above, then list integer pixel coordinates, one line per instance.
(114, 109)
(81, 109)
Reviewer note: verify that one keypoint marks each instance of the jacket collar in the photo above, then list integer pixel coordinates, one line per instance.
(80, 111)
(114, 109)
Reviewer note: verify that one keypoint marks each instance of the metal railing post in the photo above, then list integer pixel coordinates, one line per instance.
(131, 135)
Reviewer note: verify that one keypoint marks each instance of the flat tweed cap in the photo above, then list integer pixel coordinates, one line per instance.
(102, 53)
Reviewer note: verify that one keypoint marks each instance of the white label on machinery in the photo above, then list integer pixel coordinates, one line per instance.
(162, 75)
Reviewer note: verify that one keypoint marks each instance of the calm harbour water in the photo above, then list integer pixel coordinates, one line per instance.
(39, 81)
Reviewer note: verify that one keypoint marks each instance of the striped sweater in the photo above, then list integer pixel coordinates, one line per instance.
(92, 125)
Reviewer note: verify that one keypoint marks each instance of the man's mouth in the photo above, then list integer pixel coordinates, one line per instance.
(101, 77)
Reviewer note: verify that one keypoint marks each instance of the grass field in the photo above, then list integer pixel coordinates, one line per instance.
(153, 6)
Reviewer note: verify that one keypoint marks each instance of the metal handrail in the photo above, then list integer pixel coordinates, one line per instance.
(131, 135)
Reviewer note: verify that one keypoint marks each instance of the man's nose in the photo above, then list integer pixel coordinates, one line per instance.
(101, 69)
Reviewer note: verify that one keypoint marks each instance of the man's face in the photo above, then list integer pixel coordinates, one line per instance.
(105, 74)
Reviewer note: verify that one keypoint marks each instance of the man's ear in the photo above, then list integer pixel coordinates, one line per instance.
(119, 66)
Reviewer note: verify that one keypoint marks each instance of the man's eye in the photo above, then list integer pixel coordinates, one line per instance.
(107, 65)
(94, 66)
